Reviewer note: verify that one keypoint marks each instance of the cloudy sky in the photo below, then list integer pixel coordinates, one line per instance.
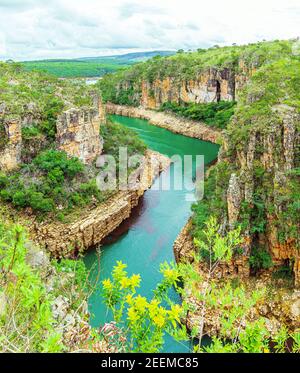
(37, 29)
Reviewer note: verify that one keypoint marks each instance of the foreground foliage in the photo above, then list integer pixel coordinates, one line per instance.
(27, 323)
(28, 293)
(226, 302)
(145, 322)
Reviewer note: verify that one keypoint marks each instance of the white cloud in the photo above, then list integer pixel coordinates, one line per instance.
(32, 29)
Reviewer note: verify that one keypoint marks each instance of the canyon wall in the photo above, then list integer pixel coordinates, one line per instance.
(210, 85)
(264, 166)
(92, 227)
(10, 151)
(78, 134)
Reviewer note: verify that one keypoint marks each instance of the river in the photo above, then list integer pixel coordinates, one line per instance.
(146, 239)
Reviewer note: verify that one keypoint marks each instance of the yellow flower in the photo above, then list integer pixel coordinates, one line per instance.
(159, 320)
(154, 303)
(153, 308)
(135, 280)
(132, 315)
(175, 312)
(107, 284)
(120, 265)
(170, 274)
(129, 299)
(125, 282)
(141, 303)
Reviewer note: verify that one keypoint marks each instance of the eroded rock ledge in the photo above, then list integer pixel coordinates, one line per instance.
(168, 121)
(63, 240)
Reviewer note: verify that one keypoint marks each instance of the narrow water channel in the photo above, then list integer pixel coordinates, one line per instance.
(146, 239)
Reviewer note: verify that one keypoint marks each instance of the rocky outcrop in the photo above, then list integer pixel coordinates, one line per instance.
(234, 200)
(269, 156)
(170, 122)
(210, 85)
(77, 131)
(183, 247)
(92, 227)
(10, 153)
(78, 134)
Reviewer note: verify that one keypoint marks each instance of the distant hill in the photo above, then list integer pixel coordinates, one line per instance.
(91, 66)
(136, 56)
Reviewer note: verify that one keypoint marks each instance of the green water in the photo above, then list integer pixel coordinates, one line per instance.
(147, 238)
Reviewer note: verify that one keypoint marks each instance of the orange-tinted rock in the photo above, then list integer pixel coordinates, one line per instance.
(10, 155)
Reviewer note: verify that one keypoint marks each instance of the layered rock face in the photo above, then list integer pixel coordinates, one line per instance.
(78, 134)
(264, 165)
(211, 85)
(10, 154)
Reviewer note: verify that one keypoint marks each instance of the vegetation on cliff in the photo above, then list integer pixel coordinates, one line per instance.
(115, 136)
(125, 87)
(48, 182)
(52, 183)
(216, 114)
(40, 94)
(262, 150)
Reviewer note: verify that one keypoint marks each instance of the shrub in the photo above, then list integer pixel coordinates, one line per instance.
(53, 161)
(39, 203)
(53, 107)
(217, 114)
(260, 259)
(30, 132)
(116, 136)
(43, 184)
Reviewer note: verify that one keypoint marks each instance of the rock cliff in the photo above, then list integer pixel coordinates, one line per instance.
(78, 134)
(255, 185)
(10, 152)
(265, 164)
(211, 85)
(77, 131)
